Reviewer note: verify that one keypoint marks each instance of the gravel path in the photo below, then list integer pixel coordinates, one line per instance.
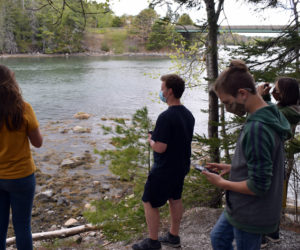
(197, 224)
(195, 229)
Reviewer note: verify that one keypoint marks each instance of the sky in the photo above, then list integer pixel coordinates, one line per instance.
(237, 12)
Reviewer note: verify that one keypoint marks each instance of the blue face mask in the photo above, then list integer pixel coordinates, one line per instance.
(161, 96)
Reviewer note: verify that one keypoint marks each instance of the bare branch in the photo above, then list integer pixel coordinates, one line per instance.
(219, 8)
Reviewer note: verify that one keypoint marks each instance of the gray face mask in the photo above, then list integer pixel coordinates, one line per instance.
(236, 108)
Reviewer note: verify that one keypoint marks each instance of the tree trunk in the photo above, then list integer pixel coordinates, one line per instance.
(296, 16)
(224, 135)
(2, 21)
(212, 74)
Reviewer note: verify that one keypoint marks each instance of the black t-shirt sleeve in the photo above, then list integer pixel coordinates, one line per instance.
(161, 132)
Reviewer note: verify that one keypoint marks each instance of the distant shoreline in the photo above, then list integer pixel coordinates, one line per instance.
(100, 54)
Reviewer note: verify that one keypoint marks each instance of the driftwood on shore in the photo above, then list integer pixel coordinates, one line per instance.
(57, 233)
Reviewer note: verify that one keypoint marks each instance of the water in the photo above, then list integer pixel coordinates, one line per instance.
(106, 87)
(59, 87)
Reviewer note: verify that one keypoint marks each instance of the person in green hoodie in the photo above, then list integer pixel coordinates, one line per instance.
(254, 187)
(286, 93)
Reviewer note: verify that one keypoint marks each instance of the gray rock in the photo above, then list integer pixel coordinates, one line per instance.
(62, 201)
(75, 161)
(44, 196)
(71, 223)
(105, 186)
(77, 238)
(53, 228)
(79, 129)
(92, 234)
(63, 130)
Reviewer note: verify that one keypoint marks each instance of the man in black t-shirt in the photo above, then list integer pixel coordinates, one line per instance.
(171, 143)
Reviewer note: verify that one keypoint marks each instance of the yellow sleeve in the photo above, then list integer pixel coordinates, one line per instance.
(30, 118)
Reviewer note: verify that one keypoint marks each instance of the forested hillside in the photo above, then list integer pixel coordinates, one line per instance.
(48, 27)
(35, 26)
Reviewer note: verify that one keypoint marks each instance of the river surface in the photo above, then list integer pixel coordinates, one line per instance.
(105, 87)
(59, 87)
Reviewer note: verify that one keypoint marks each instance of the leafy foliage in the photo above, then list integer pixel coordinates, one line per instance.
(130, 159)
(185, 19)
(142, 25)
(163, 35)
(117, 22)
(281, 53)
(43, 26)
(278, 55)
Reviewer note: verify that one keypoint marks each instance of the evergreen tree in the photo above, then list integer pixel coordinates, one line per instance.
(142, 25)
(281, 53)
(163, 35)
(185, 19)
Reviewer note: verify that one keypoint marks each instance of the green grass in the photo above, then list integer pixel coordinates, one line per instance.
(113, 38)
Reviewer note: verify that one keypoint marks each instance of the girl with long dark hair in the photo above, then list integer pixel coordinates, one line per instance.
(18, 127)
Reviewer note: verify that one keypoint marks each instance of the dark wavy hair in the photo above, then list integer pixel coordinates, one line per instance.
(11, 101)
(289, 90)
(235, 77)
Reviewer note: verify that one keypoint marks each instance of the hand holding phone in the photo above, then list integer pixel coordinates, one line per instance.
(202, 168)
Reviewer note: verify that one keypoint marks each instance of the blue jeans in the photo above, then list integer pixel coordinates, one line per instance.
(223, 234)
(17, 194)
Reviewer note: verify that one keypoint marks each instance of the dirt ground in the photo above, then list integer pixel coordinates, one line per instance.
(198, 222)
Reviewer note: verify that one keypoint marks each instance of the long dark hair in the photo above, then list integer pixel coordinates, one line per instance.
(289, 91)
(235, 77)
(11, 101)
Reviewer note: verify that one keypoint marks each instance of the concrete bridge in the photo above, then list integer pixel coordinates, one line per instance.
(234, 29)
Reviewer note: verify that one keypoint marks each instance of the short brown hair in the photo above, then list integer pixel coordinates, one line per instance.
(235, 77)
(289, 90)
(174, 82)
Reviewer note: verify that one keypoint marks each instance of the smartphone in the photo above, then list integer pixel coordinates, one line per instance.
(150, 132)
(202, 168)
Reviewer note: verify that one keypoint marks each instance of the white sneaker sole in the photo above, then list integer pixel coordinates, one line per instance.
(171, 245)
(273, 240)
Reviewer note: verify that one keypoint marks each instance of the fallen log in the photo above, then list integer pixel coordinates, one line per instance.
(57, 233)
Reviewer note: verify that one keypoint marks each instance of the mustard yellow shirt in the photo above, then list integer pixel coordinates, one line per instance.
(15, 156)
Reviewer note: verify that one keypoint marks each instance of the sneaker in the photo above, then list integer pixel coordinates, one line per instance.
(274, 237)
(264, 242)
(147, 244)
(170, 240)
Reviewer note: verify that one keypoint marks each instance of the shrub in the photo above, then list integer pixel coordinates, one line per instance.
(105, 47)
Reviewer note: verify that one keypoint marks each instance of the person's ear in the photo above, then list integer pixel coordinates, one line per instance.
(243, 92)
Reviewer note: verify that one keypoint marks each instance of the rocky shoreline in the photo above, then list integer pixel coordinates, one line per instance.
(69, 178)
(89, 53)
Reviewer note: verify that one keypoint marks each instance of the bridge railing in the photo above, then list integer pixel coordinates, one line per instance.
(234, 28)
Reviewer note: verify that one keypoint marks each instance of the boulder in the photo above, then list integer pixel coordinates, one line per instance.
(45, 196)
(79, 129)
(71, 223)
(82, 116)
(69, 163)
